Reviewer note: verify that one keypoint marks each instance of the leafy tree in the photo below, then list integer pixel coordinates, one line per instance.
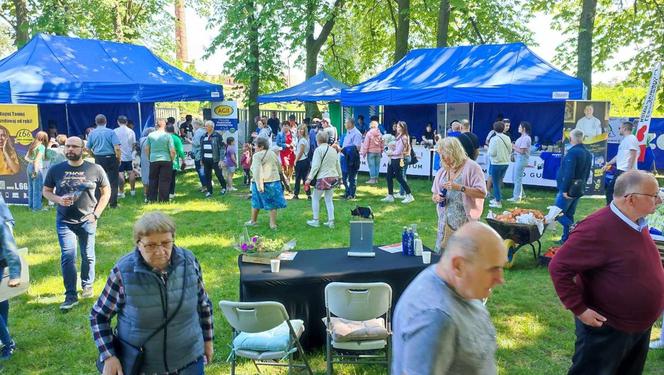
(250, 33)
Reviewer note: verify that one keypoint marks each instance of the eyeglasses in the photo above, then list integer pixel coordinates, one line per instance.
(152, 247)
(655, 196)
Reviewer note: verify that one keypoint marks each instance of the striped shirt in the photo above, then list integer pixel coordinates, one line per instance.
(112, 300)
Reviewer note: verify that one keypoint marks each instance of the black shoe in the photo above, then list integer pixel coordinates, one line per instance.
(69, 303)
(296, 197)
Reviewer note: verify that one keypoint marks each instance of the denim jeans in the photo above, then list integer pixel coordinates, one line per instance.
(497, 174)
(519, 166)
(196, 368)
(350, 182)
(569, 208)
(35, 185)
(5, 338)
(68, 235)
(373, 161)
(403, 173)
(394, 171)
(200, 171)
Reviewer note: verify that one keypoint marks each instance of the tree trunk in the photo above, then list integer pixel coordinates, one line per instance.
(21, 29)
(313, 45)
(117, 22)
(585, 44)
(403, 29)
(181, 53)
(254, 65)
(443, 23)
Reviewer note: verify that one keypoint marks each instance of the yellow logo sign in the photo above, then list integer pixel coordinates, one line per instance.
(223, 110)
(24, 136)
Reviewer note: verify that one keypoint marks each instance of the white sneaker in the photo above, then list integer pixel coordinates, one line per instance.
(313, 223)
(208, 194)
(121, 195)
(250, 223)
(388, 199)
(514, 200)
(494, 204)
(409, 198)
(329, 224)
(171, 196)
(133, 193)
(659, 344)
(233, 189)
(399, 196)
(223, 191)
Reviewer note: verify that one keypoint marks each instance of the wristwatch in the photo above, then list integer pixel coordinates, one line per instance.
(463, 189)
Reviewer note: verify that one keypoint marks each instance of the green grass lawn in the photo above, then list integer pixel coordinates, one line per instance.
(535, 333)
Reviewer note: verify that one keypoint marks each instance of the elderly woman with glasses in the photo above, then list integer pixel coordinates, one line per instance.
(458, 190)
(158, 296)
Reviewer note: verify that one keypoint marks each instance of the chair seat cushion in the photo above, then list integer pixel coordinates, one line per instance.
(261, 356)
(360, 345)
(273, 340)
(344, 330)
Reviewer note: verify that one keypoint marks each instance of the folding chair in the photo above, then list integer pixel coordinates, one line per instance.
(263, 332)
(359, 302)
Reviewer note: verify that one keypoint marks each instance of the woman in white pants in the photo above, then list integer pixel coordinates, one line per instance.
(326, 171)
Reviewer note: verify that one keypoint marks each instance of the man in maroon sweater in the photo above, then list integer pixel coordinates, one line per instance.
(609, 274)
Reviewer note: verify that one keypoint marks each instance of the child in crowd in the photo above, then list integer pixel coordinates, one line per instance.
(246, 162)
(230, 163)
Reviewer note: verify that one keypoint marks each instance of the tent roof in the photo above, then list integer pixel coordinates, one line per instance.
(321, 87)
(499, 73)
(58, 70)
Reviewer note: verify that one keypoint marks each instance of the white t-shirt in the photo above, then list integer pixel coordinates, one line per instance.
(591, 127)
(127, 139)
(302, 142)
(626, 145)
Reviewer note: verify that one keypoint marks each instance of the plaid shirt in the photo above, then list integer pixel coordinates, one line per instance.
(112, 299)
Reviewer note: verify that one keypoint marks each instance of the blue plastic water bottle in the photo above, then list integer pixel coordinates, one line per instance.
(411, 242)
(404, 241)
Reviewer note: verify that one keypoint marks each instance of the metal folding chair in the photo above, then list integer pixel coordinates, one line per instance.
(358, 302)
(257, 317)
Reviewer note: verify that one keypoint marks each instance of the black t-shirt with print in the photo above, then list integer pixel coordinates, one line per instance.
(81, 182)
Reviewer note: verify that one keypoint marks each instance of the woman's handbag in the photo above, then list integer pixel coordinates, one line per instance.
(131, 356)
(327, 183)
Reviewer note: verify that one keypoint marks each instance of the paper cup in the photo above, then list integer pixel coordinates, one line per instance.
(426, 257)
(275, 264)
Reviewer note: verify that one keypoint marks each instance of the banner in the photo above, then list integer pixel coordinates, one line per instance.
(224, 115)
(643, 125)
(592, 117)
(18, 122)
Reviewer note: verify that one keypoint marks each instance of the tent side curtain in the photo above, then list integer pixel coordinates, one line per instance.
(321, 87)
(501, 73)
(82, 116)
(5, 92)
(59, 70)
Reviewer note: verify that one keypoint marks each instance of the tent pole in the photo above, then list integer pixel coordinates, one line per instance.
(140, 117)
(472, 122)
(445, 124)
(67, 119)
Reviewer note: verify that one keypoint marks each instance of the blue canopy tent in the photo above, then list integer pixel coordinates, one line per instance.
(72, 79)
(490, 74)
(321, 87)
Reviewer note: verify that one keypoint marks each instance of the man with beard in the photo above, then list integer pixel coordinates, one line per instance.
(71, 185)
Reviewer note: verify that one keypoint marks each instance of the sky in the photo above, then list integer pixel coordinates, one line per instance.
(198, 38)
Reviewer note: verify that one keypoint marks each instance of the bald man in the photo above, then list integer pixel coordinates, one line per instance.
(71, 185)
(440, 323)
(609, 275)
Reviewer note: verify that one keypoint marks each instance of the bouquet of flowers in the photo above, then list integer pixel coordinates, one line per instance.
(255, 249)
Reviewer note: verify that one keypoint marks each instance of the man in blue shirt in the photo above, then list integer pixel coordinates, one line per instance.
(105, 146)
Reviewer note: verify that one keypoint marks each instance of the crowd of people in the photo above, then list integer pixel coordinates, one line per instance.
(85, 177)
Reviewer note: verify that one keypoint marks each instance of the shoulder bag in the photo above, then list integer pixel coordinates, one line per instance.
(325, 183)
(509, 149)
(131, 357)
(576, 188)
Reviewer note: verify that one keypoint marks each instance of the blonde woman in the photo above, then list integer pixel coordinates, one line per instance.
(9, 161)
(326, 170)
(266, 190)
(458, 190)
